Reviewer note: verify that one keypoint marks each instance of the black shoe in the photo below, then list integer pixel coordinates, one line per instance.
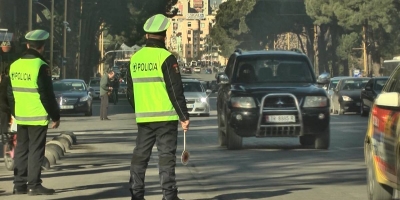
(40, 190)
(176, 198)
(20, 189)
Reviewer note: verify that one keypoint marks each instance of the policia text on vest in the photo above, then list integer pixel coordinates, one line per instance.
(21, 76)
(144, 67)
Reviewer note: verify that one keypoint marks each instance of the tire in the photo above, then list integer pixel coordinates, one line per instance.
(89, 112)
(376, 191)
(221, 134)
(8, 160)
(307, 140)
(322, 140)
(234, 142)
(362, 111)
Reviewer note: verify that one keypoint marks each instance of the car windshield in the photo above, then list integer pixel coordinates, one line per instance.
(378, 86)
(273, 69)
(69, 86)
(333, 84)
(353, 84)
(94, 82)
(192, 87)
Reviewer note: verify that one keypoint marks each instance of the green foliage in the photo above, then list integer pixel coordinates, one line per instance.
(346, 44)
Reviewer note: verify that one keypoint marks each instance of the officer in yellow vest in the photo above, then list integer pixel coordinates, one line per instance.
(33, 104)
(155, 91)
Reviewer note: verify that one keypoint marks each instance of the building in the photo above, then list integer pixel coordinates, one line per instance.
(189, 34)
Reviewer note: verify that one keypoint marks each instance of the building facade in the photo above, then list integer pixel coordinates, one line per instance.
(189, 34)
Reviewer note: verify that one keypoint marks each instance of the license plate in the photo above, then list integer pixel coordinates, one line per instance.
(189, 105)
(67, 107)
(281, 118)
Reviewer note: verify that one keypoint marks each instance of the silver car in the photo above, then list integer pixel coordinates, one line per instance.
(94, 83)
(332, 85)
(197, 100)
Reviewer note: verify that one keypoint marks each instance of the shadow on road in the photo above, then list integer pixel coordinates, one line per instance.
(254, 195)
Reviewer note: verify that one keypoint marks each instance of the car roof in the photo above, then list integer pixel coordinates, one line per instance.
(69, 80)
(270, 52)
(190, 80)
(381, 77)
(339, 77)
(355, 78)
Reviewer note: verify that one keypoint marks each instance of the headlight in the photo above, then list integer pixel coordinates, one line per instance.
(346, 98)
(243, 102)
(315, 101)
(201, 100)
(84, 98)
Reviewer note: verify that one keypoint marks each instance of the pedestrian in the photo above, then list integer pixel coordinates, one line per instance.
(155, 91)
(33, 103)
(5, 113)
(105, 91)
(115, 85)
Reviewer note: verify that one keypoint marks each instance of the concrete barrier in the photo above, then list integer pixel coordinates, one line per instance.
(64, 141)
(45, 164)
(57, 143)
(73, 136)
(67, 137)
(51, 156)
(56, 149)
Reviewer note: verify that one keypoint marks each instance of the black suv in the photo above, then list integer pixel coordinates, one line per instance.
(271, 94)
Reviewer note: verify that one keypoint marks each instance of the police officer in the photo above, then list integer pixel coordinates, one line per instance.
(155, 91)
(33, 103)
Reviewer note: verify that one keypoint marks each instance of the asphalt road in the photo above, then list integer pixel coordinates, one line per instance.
(267, 168)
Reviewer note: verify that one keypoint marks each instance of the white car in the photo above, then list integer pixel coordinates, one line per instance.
(197, 70)
(197, 100)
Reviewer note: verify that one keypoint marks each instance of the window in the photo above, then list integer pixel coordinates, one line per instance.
(189, 31)
(379, 84)
(189, 24)
(228, 69)
(333, 84)
(192, 87)
(353, 84)
(69, 86)
(189, 52)
(202, 25)
(393, 85)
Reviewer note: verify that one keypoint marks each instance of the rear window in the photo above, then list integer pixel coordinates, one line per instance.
(94, 82)
(273, 69)
(192, 87)
(378, 86)
(354, 84)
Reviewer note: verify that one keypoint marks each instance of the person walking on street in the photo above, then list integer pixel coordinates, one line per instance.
(5, 113)
(115, 85)
(33, 104)
(105, 90)
(155, 91)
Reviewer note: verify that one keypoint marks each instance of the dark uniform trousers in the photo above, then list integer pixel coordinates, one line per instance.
(29, 155)
(164, 134)
(4, 121)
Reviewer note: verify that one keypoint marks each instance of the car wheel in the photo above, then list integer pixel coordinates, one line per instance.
(234, 141)
(307, 140)
(322, 140)
(221, 133)
(8, 160)
(376, 191)
(89, 112)
(362, 111)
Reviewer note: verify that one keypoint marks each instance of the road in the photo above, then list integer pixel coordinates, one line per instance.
(266, 168)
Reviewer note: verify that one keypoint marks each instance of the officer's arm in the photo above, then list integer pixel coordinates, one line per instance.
(129, 89)
(173, 82)
(10, 97)
(46, 92)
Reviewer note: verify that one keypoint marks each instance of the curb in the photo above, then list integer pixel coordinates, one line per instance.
(57, 147)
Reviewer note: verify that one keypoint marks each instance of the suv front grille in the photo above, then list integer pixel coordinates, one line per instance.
(279, 102)
(280, 131)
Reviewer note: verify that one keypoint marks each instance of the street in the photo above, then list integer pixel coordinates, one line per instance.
(266, 168)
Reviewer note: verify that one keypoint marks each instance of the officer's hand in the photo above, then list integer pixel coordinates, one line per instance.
(55, 124)
(185, 125)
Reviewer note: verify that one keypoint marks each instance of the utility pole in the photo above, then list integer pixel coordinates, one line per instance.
(65, 41)
(365, 46)
(30, 15)
(80, 40)
(288, 40)
(52, 36)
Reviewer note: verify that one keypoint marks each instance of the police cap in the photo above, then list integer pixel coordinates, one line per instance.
(37, 35)
(157, 24)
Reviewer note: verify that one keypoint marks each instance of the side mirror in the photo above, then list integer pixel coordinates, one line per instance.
(390, 99)
(208, 91)
(222, 79)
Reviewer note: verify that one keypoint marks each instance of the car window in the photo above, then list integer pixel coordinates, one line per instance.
(94, 82)
(192, 87)
(228, 69)
(69, 86)
(370, 83)
(353, 84)
(273, 68)
(333, 84)
(379, 84)
(393, 84)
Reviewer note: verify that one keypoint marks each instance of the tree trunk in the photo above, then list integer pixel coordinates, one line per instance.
(321, 52)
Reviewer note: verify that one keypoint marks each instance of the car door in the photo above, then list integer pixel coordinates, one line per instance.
(386, 132)
(367, 93)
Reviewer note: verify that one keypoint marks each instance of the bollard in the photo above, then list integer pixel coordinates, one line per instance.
(50, 156)
(57, 143)
(64, 141)
(73, 136)
(55, 148)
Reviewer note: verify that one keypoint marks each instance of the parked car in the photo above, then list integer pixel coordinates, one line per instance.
(94, 83)
(332, 85)
(368, 94)
(197, 70)
(73, 96)
(208, 71)
(271, 94)
(346, 95)
(381, 143)
(187, 70)
(197, 100)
